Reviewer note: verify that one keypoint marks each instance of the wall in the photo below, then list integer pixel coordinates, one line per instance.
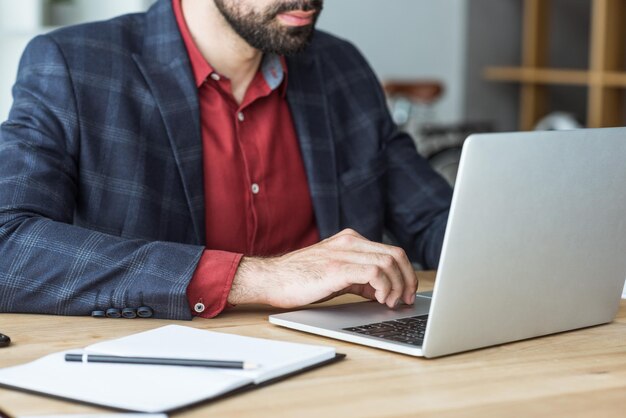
(408, 39)
(450, 40)
(89, 10)
(494, 44)
(13, 42)
(11, 47)
(400, 38)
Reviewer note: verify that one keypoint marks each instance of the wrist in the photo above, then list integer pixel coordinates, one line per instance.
(249, 284)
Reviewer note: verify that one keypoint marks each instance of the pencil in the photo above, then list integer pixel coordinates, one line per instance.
(93, 358)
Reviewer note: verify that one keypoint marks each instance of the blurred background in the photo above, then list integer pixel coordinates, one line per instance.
(450, 67)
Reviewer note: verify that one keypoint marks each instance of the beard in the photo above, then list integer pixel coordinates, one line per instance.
(263, 31)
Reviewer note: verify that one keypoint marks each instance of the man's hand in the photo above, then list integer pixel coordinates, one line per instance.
(343, 263)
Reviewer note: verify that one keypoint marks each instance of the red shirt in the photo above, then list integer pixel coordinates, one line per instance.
(257, 198)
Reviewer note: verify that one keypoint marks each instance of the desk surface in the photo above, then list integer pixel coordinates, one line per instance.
(573, 374)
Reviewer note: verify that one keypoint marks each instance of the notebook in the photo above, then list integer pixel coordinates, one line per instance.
(152, 389)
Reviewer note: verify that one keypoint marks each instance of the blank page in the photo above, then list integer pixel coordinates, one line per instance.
(138, 388)
(274, 357)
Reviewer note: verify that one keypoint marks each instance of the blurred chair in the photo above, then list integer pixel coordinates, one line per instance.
(411, 102)
(412, 107)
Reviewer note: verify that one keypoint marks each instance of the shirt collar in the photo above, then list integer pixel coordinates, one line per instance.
(273, 67)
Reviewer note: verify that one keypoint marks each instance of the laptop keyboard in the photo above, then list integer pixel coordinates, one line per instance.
(405, 330)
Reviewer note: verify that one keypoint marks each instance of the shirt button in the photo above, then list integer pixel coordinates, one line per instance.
(241, 117)
(215, 76)
(255, 188)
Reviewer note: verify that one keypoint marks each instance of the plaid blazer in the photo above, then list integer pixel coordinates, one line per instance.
(101, 195)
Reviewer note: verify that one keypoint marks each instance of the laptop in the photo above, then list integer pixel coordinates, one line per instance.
(535, 244)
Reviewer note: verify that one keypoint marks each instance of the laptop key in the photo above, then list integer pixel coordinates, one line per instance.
(404, 330)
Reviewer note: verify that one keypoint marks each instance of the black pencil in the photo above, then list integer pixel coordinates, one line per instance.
(93, 358)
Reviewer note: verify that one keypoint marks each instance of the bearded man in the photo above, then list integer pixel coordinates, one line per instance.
(205, 154)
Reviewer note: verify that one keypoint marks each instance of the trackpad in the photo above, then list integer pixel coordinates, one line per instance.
(352, 314)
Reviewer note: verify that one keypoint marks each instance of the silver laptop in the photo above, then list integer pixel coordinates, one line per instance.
(535, 244)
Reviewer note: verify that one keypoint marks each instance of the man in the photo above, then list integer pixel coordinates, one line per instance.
(206, 154)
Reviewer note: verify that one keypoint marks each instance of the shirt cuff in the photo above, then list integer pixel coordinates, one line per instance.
(210, 285)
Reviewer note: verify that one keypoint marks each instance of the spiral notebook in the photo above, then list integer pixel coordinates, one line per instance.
(152, 389)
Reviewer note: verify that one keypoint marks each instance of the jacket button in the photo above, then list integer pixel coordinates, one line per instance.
(98, 314)
(113, 313)
(144, 312)
(129, 313)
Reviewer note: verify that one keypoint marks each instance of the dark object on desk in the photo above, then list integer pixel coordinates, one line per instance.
(93, 358)
(4, 414)
(4, 342)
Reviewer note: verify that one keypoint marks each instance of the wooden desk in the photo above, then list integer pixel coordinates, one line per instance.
(574, 374)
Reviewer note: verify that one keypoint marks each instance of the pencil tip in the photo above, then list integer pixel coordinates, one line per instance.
(250, 366)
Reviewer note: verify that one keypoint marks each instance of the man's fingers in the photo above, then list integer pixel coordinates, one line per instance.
(363, 290)
(349, 240)
(349, 231)
(351, 274)
(384, 270)
(408, 274)
(383, 265)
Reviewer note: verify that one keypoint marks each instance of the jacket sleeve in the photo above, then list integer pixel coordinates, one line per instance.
(418, 201)
(48, 265)
(417, 198)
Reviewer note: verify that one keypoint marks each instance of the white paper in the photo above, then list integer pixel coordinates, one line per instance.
(128, 415)
(129, 387)
(275, 358)
(624, 292)
(148, 388)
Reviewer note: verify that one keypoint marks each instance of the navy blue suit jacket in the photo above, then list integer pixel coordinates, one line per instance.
(101, 194)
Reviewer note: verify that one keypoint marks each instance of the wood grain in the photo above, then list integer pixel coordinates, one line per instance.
(572, 374)
(606, 102)
(533, 96)
(538, 75)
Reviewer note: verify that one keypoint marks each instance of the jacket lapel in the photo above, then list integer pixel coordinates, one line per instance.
(310, 113)
(166, 68)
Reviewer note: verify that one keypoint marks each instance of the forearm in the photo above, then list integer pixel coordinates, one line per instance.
(55, 268)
